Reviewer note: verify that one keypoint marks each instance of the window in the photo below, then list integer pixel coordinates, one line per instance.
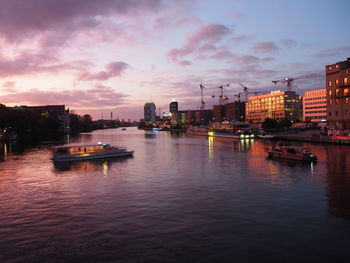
(336, 113)
(346, 100)
(330, 92)
(346, 81)
(329, 83)
(346, 92)
(337, 66)
(336, 101)
(337, 82)
(329, 68)
(330, 113)
(337, 92)
(330, 102)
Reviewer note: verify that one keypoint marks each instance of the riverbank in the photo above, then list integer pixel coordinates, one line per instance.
(315, 136)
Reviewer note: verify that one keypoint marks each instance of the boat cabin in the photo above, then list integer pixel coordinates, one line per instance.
(80, 149)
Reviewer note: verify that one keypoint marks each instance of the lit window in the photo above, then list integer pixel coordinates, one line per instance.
(337, 82)
(337, 66)
(330, 92)
(330, 101)
(329, 83)
(346, 100)
(345, 81)
(346, 92)
(329, 68)
(336, 101)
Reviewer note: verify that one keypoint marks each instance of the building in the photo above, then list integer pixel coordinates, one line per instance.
(173, 106)
(150, 112)
(276, 105)
(203, 116)
(180, 117)
(235, 111)
(219, 113)
(338, 96)
(314, 106)
(51, 111)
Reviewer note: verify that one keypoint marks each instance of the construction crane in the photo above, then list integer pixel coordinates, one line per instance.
(289, 81)
(202, 101)
(222, 97)
(246, 92)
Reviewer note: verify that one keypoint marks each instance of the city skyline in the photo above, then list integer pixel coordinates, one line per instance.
(114, 57)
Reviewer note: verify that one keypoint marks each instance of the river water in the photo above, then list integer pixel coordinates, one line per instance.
(179, 199)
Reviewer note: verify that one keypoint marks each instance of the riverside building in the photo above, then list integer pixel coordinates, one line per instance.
(276, 105)
(150, 112)
(315, 106)
(338, 96)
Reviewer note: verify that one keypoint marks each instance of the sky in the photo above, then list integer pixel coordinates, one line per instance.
(98, 57)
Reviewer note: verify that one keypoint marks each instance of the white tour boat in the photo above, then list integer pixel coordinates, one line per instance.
(83, 152)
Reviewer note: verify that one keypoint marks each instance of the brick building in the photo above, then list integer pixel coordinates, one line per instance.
(338, 96)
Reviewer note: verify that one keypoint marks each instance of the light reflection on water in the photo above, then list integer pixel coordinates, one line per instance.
(180, 198)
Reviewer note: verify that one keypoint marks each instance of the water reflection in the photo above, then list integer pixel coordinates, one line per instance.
(89, 166)
(338, 183)
(210, 147)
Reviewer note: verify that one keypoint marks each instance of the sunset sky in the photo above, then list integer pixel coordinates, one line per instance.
(114, 55)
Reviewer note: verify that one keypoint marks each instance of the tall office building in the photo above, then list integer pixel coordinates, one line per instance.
(276, 105)
(150, 112)
(314, 105)
(173, 106)
(338, 95)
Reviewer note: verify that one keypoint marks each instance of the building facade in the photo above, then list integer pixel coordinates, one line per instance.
(150, 112)
(276, 105)
(173, 106)
(235, 111)
(219, 113)
(338, 96)
(315, 106)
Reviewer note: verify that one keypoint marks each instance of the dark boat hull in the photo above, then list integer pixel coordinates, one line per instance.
(280, 155)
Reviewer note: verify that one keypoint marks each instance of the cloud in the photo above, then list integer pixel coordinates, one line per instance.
(113, 69)
(203, 39)
(9, 86)
(28, 63)
(246, 60)
(333, 52)
(36, 16)
(241, 39)
(236, 15)
(265, 47)
(90, 98)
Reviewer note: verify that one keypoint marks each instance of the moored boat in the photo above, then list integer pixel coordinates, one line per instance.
(82, 152)
(291, 152)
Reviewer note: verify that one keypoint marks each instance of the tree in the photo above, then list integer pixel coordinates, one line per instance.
(269, 124)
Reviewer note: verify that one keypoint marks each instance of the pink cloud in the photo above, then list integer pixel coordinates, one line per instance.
(241, 39)
(42, 15)
(200, 41)
(265, 47)
(113, 69)
(28, 63)
(9, 86)
(90, 98)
